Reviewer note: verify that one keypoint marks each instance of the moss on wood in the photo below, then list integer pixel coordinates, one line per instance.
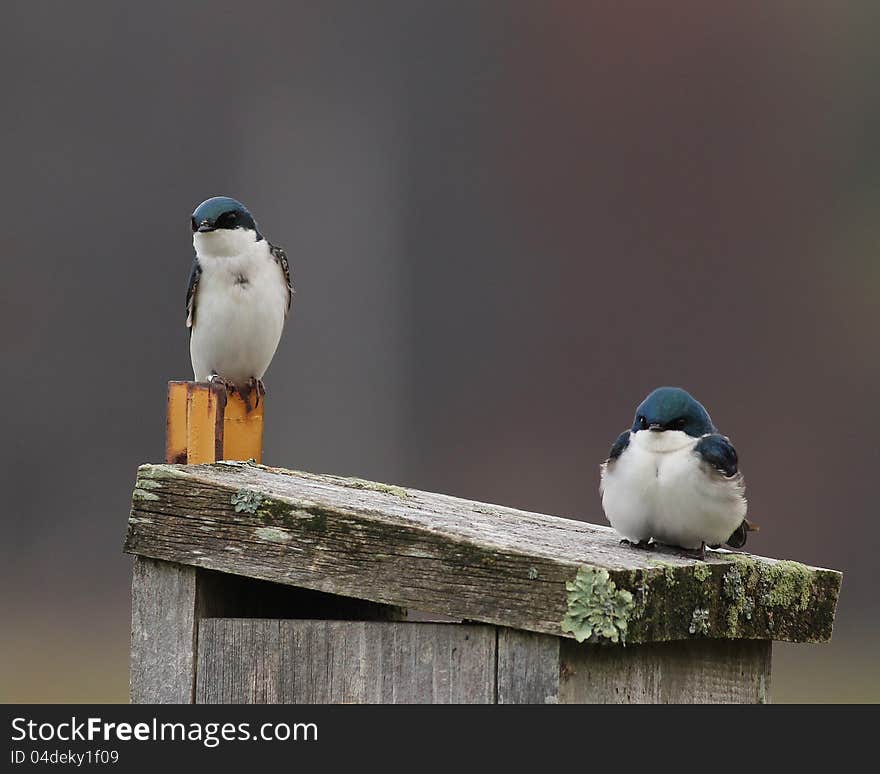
(734, 596)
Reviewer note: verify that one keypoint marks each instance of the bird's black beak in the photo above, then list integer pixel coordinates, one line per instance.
(656, 427)
(205, 226)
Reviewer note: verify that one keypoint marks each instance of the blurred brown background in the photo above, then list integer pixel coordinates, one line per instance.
(507, 221)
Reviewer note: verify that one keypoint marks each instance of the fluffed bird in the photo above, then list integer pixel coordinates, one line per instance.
(672, 478)
(238, 298)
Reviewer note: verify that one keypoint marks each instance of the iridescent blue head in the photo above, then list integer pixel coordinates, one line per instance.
(671, 408)
(221, 212)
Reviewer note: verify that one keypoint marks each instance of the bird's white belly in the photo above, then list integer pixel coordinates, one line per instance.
(238, 325)
(671, 496)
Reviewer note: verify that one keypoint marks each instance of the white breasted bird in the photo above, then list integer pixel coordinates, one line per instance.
(238, 298)
(672, 478)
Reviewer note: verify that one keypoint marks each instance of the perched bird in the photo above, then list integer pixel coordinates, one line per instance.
(674, 479)
(238, 298)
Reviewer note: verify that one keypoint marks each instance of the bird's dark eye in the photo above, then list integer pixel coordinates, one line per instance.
(643, 423)
(227, 219)
(680, 422)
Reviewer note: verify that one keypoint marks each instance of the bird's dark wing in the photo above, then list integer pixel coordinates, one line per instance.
(718, 451)
(194, 276)
(281, 259)
(616, 450)
(619, 445)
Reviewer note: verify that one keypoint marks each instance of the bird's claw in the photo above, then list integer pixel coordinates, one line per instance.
(215, 378)
(257, 386)
(645, 545)
(227, 386)
(693, 553)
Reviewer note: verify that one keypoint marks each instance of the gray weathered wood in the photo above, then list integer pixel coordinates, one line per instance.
(528, 667)
(249, 661)
(460, 558)
(163, 632)
(699, 672)
(168, 601)
(326, 662)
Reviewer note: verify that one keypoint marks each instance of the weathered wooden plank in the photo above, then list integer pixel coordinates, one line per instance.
(466, 559)
(698, 672)
(249, 661)
(327, 662)
(163, 632)
(528, 667)
(169, 599)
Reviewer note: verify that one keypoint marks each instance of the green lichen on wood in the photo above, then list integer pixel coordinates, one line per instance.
(773, 591)
(145, 484)
(141, 494)
(670, 571)
(597, 609)
(780, 583)
(790, 584)
(732, 584)
(702, 572)
(740, 604)
(642, 589)
(699, 621)
(149, 471)
(373, 486)
(303, 517)
(737, 596)
(272, 510)
(246, 501)
(272, 534)
(638, 582)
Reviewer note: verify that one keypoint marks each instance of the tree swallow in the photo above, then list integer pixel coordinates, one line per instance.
(674, 479)
(238, 297)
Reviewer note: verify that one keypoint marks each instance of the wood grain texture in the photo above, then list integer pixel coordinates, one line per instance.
(163, 632)
(454, 557)
(698, 672)
(168, 601)
(528, 667)
(255, 661)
